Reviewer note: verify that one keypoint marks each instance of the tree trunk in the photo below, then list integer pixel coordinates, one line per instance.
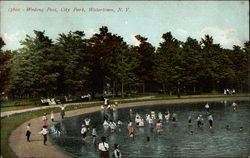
(113, 93)
(143, 87)
(122, 90)
(194, 89)
(164, 88)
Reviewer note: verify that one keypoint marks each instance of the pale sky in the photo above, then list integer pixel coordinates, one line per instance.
(226, 21)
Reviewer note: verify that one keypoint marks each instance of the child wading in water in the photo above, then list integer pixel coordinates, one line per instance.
(189, 120)
(199, 121)
(103, 148)
(84, 132)
(234, 105)
(112, 126)
(62, 111)
(130, 129)
(117, 152)
(210, 119)
(87, 122)
(158, 127)
(94, 134)
(52, 117)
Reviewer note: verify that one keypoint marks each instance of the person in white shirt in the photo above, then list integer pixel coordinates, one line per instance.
(147, 117)
(44, 119)
(153, 115)
(52, 117)
(137, 119)
(225, 92)
(174, 117)
(84, 132)
(106, 123)
(106, 102)
(199, 121)
(207, 107)
(167, 116)
(117, 152)
(234, 105)
(28, 132)
(141, 123)
(87, 122)
(94, 134)
(62, 111)
(114, 106)
(119, 124)
(210, 119)
(44, 132)
(112, 126)
(103, 148)
(160, 116)
(150, 122)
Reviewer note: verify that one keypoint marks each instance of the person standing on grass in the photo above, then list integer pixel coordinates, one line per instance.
(28, 132)
(44, 132)
(52, 117)
(103, 148)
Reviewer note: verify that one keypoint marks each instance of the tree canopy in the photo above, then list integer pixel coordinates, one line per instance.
(73, 64)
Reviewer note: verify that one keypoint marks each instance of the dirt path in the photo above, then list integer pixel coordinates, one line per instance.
(36, 149)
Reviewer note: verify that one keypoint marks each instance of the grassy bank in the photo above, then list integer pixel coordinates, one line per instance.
(19, 104)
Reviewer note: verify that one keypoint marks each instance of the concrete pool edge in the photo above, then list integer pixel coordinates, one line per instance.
(35, 148)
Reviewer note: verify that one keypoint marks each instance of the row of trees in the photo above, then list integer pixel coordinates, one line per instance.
(73, 64)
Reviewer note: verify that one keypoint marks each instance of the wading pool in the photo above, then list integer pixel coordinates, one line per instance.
(174, 141)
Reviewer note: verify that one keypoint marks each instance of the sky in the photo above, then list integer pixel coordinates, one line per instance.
(226, 21)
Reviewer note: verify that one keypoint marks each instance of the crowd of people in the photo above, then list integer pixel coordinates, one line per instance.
(229, 91)
(153, 121)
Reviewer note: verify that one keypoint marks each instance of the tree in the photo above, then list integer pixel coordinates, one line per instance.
(240, 66)
(121, 67)
(192, 58)
(145, 55)
(70, 62)
(5, 67)
(217, 69)
(30, 74)
(103, 49)
(168, 69)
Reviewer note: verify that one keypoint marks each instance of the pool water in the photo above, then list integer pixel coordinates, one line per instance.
(175, 139)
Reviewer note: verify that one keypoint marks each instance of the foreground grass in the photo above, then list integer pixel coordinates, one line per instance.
(11, 123)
